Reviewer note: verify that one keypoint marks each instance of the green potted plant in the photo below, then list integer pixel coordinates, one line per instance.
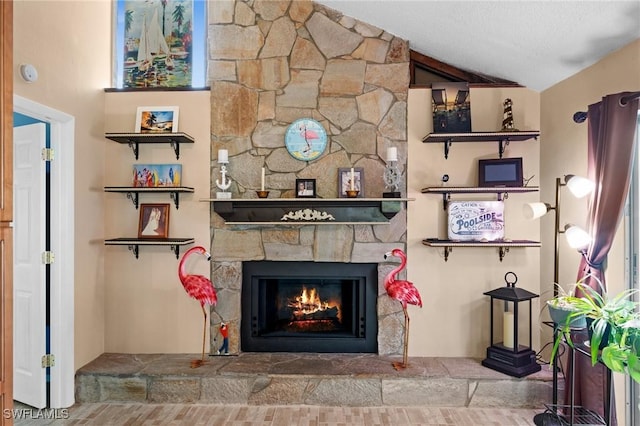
(613, 323)
(614, 330)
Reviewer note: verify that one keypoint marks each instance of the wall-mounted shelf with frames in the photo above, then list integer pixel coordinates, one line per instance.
(133, 244)
(503, 138)
(135, 139)
(133, 192)
(502, 192)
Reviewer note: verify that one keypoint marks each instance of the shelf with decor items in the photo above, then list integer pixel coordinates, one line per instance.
(307, 211)
(503, 138)
(133, 192)
(502, 192)
(502, 245)
(134, 140)
(133, 243)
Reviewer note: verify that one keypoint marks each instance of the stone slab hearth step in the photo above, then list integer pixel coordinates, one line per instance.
(355, 380)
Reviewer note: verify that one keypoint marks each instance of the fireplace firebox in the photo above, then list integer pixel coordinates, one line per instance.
(309, 307)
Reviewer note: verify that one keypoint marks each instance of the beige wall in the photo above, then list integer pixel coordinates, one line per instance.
(455, 318)
(147, 310)
(68, 42)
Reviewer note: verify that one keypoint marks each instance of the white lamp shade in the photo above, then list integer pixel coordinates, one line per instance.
(579, 186)
(577, 237)
(534, 210)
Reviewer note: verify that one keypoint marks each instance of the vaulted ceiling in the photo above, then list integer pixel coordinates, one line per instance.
(534, 43)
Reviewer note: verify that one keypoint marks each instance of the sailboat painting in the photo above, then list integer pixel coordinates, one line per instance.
(158, 43)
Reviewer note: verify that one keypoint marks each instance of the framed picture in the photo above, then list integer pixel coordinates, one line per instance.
(157, 119)
(156, 175)
(451, 107)
(305, 188)
(154, 221)
(345, 179)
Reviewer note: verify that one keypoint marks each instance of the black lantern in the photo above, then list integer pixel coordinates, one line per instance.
(508, 356)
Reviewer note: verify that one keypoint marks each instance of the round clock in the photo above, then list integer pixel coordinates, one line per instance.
(305, 139)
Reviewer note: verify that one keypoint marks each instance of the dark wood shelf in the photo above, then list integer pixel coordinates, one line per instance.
(308, 211)
(133, 192)
(503, 138)
(135, 139)
(133, 243)
(503, 245)
(502, 191)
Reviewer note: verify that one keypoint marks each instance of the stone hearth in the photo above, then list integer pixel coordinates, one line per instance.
(307, 379)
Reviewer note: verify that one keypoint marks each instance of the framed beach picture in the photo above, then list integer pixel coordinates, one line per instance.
(157, 119)
(154, 221)
(348, 175)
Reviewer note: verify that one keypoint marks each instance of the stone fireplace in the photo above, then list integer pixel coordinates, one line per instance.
(272, 62)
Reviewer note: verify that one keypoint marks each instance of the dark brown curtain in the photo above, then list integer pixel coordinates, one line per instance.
(612, 128)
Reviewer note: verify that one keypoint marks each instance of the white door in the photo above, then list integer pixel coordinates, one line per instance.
(29, 291)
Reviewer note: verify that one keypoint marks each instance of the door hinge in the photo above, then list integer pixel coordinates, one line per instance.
(47, 154)
(48, 257)
(48, 360)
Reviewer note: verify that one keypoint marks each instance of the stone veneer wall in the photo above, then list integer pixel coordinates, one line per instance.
(270, 63)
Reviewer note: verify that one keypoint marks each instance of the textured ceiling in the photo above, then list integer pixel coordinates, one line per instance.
(534, 43)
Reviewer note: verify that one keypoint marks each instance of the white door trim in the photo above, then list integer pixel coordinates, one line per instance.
(62, 245)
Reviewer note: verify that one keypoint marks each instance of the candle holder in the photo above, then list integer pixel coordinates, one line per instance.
(225, 183)
(391, 179)
(352, 193)
(262, 194)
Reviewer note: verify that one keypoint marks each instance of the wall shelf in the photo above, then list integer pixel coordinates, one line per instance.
(503, 138)
(134, 243)
(502, 192)
(503, 245)
(133, 192)
(308, 211)
(135, 139)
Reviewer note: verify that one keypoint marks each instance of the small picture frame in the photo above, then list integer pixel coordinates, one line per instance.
(305, 188)
(344, 181)
(154, 221)
(157, 119)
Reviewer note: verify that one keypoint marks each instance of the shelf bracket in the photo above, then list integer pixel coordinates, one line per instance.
(176, 249)
(502, 251)
(447, 145)
(134, 248)
(175, 196)
(133, 196)
(446, 197)
(502, 144)
(176, 148)
(135, 147)
(447, 250)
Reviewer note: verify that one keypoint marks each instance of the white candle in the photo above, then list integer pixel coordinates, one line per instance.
(353, 177)
(262, 182)
(392, 153)
(507, 329)
(223, 156)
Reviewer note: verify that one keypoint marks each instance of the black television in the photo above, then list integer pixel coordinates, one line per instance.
(500, 172)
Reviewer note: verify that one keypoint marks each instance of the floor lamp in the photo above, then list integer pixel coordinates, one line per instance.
(576, 237)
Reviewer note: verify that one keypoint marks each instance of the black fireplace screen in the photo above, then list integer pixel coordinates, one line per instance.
(309, 307)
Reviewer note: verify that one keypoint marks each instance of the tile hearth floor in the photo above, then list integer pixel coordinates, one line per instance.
(301, 389)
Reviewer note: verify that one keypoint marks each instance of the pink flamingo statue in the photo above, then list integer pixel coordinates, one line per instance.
(199, 288)
(404, 292)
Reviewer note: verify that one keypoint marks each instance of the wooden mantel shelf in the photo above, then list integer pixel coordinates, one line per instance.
(312, 211)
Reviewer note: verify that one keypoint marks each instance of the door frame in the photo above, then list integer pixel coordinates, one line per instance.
(62, 386)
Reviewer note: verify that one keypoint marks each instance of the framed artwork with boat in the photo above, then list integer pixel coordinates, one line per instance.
(155, 44)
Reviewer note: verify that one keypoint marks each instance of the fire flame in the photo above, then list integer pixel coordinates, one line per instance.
(309, 304)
